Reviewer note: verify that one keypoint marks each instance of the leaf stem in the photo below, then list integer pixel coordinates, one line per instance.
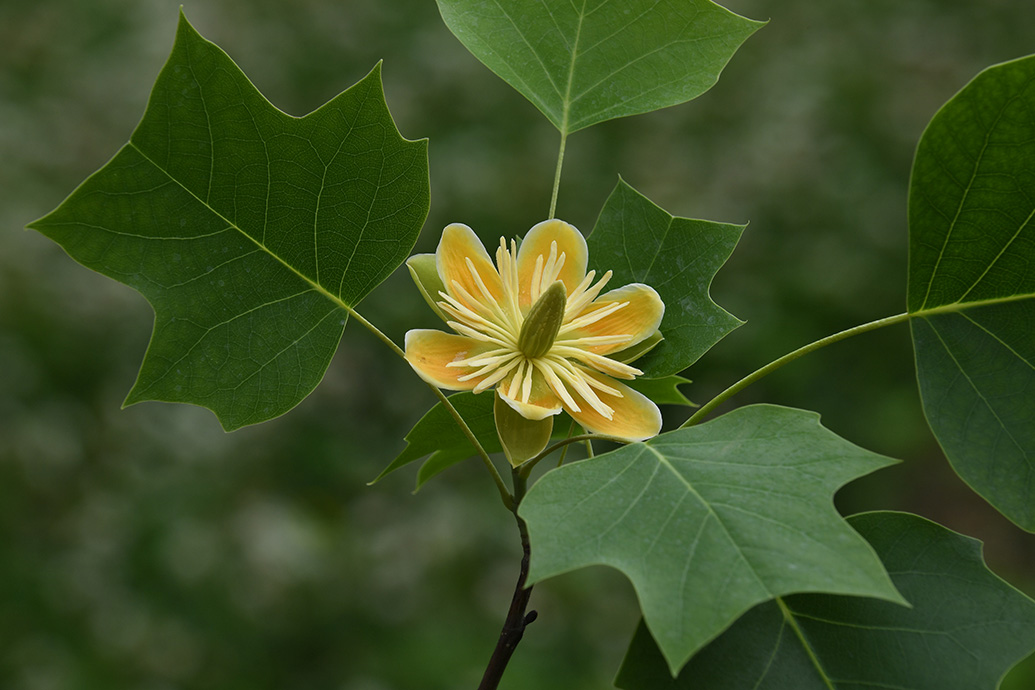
(376, 331)
(527, 465)
(505, 495)
(557, 176)
(790, 357)
(564, 453)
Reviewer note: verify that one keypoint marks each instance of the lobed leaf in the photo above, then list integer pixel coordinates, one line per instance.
(710, 520)
(965, 629)
(250, 232)
(581, 62)
(972, 284)
(678, 257)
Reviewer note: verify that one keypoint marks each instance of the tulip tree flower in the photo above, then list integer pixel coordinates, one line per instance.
(536, 328)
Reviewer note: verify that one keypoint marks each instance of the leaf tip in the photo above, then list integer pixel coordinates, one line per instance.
(184, 23)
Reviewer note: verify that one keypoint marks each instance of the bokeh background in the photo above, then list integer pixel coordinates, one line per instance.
(146, 549)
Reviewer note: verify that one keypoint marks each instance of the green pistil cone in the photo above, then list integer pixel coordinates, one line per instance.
(543, 322)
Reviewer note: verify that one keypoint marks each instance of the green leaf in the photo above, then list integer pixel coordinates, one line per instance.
(972, 280)
(662, 391)
(587, 61)
(710, 520)
(678, 257)
(965, 629)
(438, 435)
(249, 231)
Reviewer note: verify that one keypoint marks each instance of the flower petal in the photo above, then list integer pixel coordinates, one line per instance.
(429, 352)
(635, 418)
(638, 319)
(459, 250)
(538, 243)
(541, 402)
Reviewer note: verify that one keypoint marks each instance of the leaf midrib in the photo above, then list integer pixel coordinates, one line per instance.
(664, 461)
(966, 194)
(567, 100)
(792, 622)
(954, 307)
(337, 301)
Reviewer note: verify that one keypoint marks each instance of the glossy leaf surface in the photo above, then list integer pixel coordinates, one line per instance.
(972, 284)
(249, 231)
(585, 61)
(678, 257)
(710, 520)
(965, 629)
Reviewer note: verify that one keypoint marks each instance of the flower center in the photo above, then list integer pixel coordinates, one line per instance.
(543, 322)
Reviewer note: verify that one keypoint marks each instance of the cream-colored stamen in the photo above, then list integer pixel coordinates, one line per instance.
(592, 317)
(496, 310)
(500, 374)
(580, 300)
(580, 383)
(515, 383)
(594, 340)
(602, 364)
(556, 385)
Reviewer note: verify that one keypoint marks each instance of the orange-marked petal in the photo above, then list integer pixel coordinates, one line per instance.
(639, 319)
(635, 418)
(537, 243)
(542, 402)
(458, 245)
(429, 352)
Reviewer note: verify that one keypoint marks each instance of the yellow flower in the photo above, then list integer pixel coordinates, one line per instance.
(535, 327)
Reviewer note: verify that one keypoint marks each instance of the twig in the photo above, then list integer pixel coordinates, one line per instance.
(517, 618)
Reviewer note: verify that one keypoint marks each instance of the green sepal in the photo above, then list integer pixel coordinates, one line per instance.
(424, 271)
(522, 439)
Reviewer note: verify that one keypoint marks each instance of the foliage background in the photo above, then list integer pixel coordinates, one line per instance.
(144, 548)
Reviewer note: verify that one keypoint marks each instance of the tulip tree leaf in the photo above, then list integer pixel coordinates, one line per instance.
(581, 62)
(972, 284)
(965, 629)
(249, 231)
(710, 520)
(438, 436)
(678, 257)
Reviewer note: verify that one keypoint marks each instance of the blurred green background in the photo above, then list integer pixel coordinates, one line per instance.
(146, 549)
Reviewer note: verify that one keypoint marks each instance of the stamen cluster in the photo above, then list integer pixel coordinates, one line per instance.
(501, 325)
(537, 327)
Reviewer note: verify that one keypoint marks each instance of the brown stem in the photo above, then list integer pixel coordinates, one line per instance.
(517, 620)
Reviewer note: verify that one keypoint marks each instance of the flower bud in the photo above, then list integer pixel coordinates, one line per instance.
(543, 322)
